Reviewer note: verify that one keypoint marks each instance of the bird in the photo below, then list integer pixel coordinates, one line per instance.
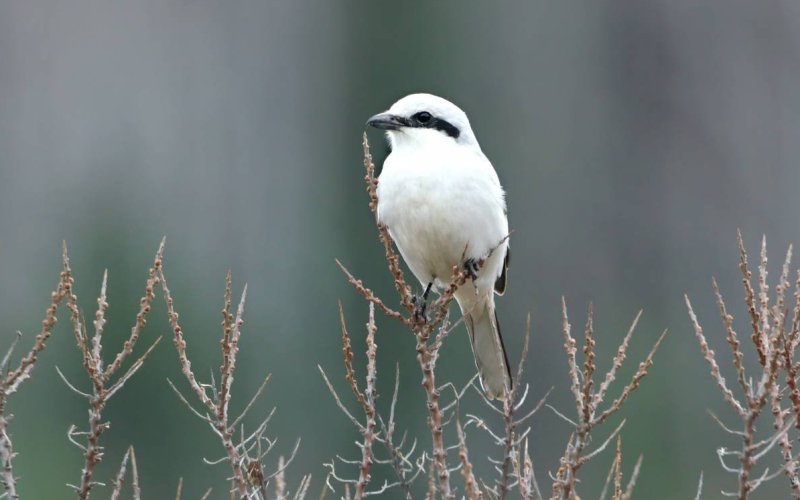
(443, 205)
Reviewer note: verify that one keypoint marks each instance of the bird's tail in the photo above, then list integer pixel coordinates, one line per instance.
(487, 344)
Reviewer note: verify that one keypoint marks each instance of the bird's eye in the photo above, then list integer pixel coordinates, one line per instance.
(423, 117)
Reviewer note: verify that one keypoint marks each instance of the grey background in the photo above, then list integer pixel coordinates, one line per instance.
(633, 138)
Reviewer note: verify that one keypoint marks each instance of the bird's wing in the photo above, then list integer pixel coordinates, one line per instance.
(500, 283)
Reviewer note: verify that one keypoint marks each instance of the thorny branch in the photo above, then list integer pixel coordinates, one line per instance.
(400, 459)
(774, 344)
(101, 375)
(10, 383)
(245, 455)
(588, 401)
(515, 468)
(426, 331)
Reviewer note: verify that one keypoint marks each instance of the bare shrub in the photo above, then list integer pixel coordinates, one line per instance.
(515, 468)
(244, 454)
(101, 375)
(14, 378)
(774, 338)
(588, 401)
(444, 467)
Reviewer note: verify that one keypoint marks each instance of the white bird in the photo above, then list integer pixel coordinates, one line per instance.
(443, 205)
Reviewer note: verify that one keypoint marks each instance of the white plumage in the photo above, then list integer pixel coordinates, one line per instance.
(442, 202)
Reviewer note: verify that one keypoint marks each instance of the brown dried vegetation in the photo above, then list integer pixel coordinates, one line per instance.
(775, 334)
(514, 469)
(441, 465)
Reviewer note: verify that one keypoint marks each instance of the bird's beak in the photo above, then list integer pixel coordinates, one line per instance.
(387, 121)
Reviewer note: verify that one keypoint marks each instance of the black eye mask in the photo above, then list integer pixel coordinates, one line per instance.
(423, 119)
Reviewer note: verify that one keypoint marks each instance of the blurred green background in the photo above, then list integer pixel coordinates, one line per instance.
(633, 138)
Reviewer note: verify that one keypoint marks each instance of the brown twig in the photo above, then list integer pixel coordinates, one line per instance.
(100, 374)
(774, 349)
(587, 400)
(368, 403)
(789, 345)
(10, 383)
(424, 330)
(511, 402)
(136, 490)
(347, 352)
(393, 260)
(618, 470)
(245, 456)
(12, 380)
(399, 460)
(119, 480)
(471, 488)
(528, 487)
(628, 494)
(216, 408)
(516, 466)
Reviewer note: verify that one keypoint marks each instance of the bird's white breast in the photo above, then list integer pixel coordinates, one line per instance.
(442, 203)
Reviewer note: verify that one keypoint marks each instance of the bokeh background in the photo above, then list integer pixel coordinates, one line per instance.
(633, 138)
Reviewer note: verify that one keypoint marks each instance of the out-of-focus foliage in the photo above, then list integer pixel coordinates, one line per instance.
(633, 139)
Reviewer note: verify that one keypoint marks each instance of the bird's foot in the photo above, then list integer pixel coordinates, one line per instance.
(471, 267)
(421, 305)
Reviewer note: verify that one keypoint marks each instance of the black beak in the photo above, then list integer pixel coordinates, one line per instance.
(387, 121)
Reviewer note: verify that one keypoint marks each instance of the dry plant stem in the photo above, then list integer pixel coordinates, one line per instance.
(94, 453)
(120, 479)
(792, 373)
(347, 353)
(754, 403)
(733, 341)
(628, 494)
(429, 335)
(775, 349)
(699, 487)
(435, 420)
(403, 290)
(136, 490)
(219, 408)
(399, 460)
(370, 394)
(587, 400)
(141, 320)
(471, 488)
(280, 481)
(778, 413)
(790, 341)
(510, 404)
(245, 456)
(372, 298)
(618, 470)
(528, 488)
(98, 372)
(588, 364)
(6, 454)
(11, 382)
(750, 300)
(426, 353)
(508, 444)
(708, 354)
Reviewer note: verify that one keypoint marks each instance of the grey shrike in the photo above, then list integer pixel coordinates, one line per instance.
(443, 205)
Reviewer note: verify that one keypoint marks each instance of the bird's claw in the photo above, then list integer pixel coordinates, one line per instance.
(420, 303)
(420, 307)
(471, 267)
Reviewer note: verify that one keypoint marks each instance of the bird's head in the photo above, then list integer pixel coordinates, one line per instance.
(420, 119)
